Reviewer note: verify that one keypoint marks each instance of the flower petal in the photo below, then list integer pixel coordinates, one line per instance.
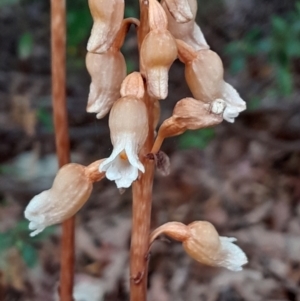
(233, 258)
(234, 102)
(133, 157)
(122, 172)
(35, 214)
(116, 151)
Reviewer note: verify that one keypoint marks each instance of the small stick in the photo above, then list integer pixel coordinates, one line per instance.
(58, 61)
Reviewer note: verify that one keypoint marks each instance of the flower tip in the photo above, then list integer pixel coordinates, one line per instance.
(36, 232)
(133, 85)
(234, 258)
(230, 113)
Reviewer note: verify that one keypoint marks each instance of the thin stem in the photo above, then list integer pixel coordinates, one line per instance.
(58, 46)
(141, 217)
(142, 197)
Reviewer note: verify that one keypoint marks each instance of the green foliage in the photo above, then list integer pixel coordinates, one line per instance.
(8, 2)
(79, 24)
(45, 118)
(197, 139)
(18, 237)
(25, 46)
(279, 49)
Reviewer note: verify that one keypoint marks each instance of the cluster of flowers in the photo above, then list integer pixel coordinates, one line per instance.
(172, 33)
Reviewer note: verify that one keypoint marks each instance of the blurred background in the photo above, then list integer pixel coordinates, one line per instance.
(242, 177)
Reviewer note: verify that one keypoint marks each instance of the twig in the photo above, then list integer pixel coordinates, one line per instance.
(58, 42)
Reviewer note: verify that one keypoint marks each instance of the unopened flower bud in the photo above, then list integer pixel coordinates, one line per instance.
(189, 114)
(107, 16)
(202, 242)
(189, 32)
(71, 188)
(107, 71)
(128, 123)
(203, 71)
(204, 76)
(158, 52)
(157, 17)
(133, 85)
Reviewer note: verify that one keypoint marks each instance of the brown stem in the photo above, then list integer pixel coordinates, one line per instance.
(141, 217)
(175, 230)
(144, 25)
(58, 41)
(157, 144)
(142, 197)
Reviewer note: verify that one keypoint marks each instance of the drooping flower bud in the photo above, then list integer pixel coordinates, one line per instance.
(71, 188)
(107, 16)
(202, 242)
(189, 114)
(107, 71)
(204, 76)
(158, 52)
(128, 123)
(203, 71)
(189, 31)
(133, 85)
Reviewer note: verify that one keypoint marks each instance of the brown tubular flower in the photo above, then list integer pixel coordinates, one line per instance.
(202, 242)
(107, 71)
(128, 123)
(107, 16)
(158, 52)
(189, 114)
(203, 71)
(204, 76)
(188, 31)
(71, 188)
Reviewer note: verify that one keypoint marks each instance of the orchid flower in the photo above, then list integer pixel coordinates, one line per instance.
(128, 123)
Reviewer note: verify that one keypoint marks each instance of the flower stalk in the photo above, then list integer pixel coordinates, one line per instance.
(142, 195)
(141, 216)
(58, 61)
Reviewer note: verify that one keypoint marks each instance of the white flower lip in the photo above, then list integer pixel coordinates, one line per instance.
(123, 169)
(37, 221)
(233, 258)
(234, 103)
